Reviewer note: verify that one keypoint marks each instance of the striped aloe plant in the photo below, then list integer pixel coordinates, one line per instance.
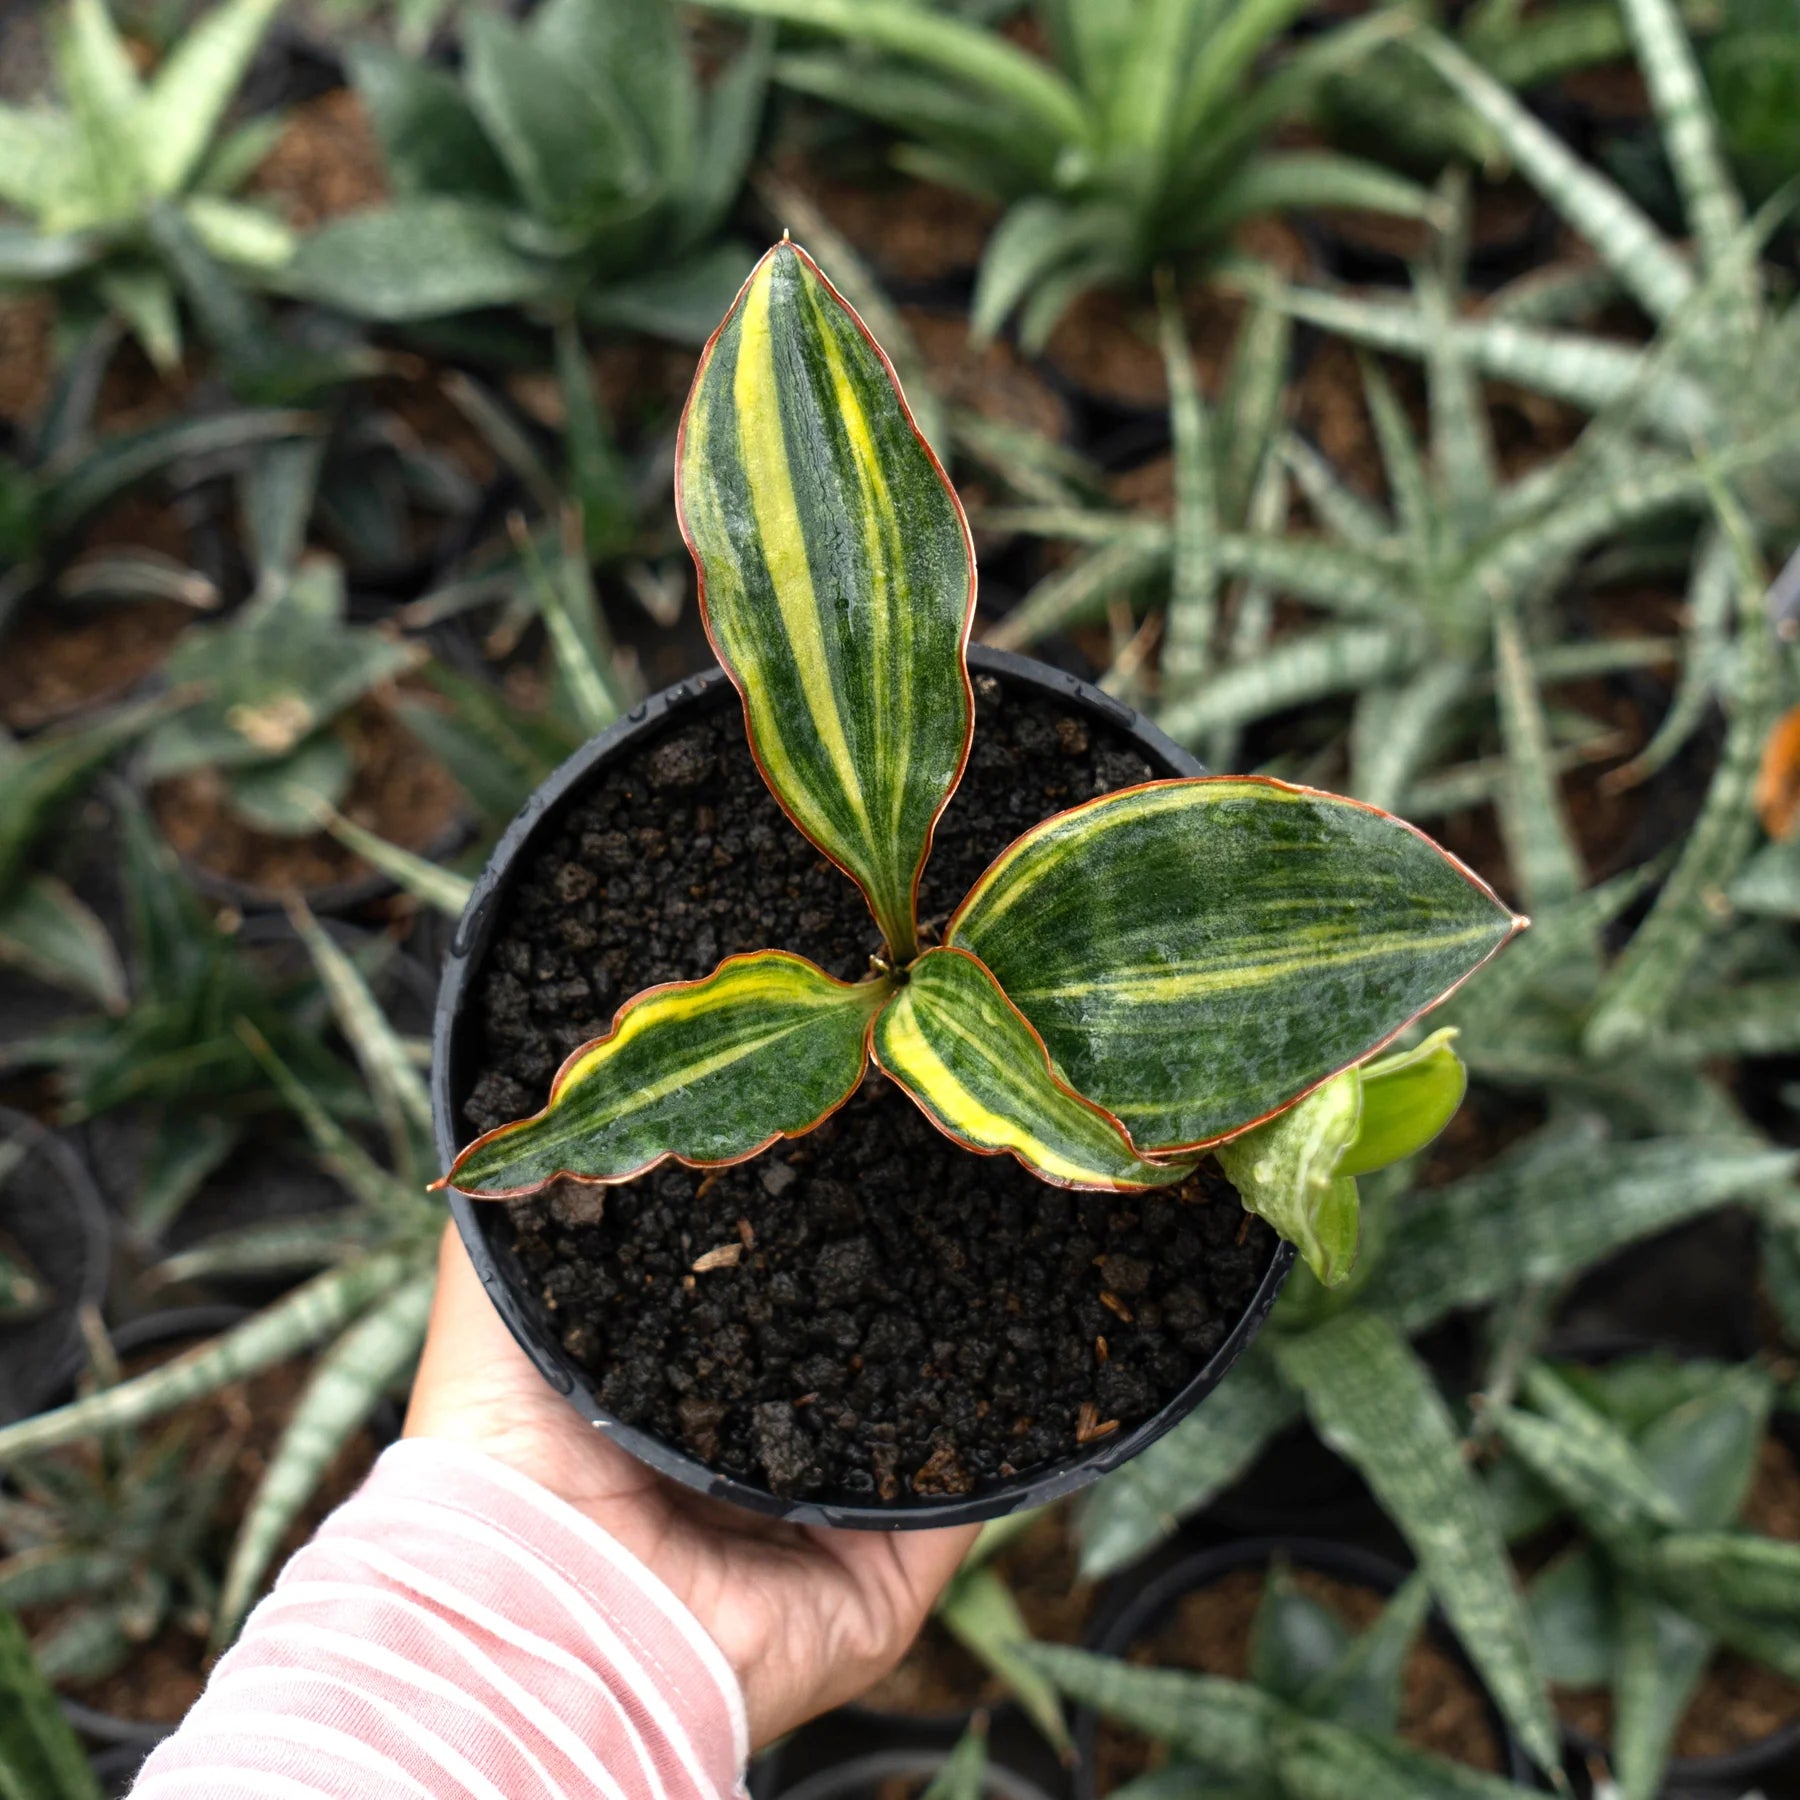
(1145, 136)
(92, 176)
(372, 1270)
(1316, 1718)
(1718, 376)
(1650, 1459)
(1646, 1137)
(1108, 1001)
(1423, 607)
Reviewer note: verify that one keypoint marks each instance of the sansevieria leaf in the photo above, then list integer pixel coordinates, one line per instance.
(837, 578)
(979, 1072)
(1197, 954)
(707, 1071)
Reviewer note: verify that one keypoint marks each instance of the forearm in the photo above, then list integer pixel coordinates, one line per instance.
(455, 1630)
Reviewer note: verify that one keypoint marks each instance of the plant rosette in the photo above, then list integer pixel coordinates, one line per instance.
(1666, 1483)
(1187, 965)
(1320, 1660)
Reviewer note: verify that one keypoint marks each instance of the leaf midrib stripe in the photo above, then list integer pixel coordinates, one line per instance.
(1188, 979)
(932, 1078)
(892, 736)
(762, 446)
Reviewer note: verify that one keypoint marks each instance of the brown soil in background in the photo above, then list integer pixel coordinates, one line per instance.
(1106, 342)
(1106, 345)
(909, 230)
(1502, 214)
(398, 792)
(326, 162)
(62, 657)
(134, 395)
(1042, 1568)
(1612, 91)
(417, 399)
(1442, 1709)
(26, 321)
(993, 380)
(164, 1678)
(1326, 405)
(1738, 1702)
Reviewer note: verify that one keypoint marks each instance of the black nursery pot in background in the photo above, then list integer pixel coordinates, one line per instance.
(1133, 1609)
(487, 1227)
(52, 1211)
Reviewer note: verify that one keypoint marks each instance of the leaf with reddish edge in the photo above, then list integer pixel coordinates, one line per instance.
(970, 1061)
(1198, 954)
(705, 1072)
(837, 578)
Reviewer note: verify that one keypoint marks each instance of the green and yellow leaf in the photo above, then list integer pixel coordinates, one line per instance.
(972, 1063)
(706, 1072)
(1286, 1171)
(1407, 1099)
(1198, 954)
(837, 578)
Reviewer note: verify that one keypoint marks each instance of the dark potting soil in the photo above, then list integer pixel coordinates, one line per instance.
(879, 1313)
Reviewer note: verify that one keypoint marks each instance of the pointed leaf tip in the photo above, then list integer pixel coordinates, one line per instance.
(1198, 954)
(836, 575)
(705, 1072)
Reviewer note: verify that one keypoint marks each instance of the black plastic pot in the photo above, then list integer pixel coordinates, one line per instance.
(116, 1769)
(867, 1777)
(51, 1208)
(482, 1223)
(1134, 1607)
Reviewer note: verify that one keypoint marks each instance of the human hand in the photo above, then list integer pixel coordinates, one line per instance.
(807, 1617)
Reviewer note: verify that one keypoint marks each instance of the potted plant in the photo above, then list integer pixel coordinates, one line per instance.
(1134, 981)
(1286, 1669)
(1665, 1611)
(1098, 191)
(287, 722)
(969, 1770)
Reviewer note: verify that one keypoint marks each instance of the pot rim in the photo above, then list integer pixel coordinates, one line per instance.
(873, 1766)
(705, 691)
(92, 1223)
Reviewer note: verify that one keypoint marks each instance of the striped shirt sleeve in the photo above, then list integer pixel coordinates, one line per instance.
(455, 1632)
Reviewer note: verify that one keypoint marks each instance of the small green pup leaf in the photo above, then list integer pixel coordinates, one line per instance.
(1197, 954)
(837, 578)
(1287, 1172)
(1407, 1099)
(706, 1072)
(979, 1073)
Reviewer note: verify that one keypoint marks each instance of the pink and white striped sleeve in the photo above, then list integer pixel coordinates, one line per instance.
(455, 1632)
